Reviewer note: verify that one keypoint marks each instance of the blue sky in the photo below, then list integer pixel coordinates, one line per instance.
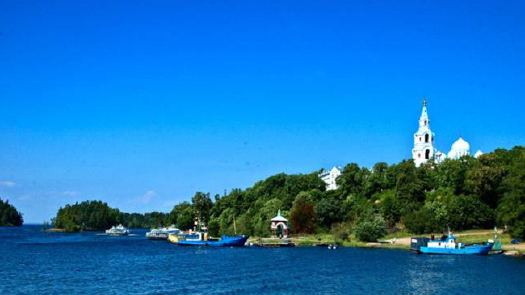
(142, 103)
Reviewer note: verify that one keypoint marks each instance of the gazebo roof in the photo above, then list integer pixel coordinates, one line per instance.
(279, 217)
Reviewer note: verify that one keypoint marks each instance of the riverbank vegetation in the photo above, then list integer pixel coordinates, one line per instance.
(96, 215)
(9, 216)
(464, 194)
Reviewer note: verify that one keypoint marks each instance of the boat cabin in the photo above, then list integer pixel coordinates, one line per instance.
(448, 242)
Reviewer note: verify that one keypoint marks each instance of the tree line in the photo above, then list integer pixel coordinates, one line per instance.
(467, 193)
(9, 216)
(97, 215)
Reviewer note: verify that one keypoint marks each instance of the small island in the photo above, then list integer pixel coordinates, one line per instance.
(9, 216)
(97, 216)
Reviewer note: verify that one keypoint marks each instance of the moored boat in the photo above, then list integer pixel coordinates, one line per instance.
(201, 239)
(119, 230)
(161, 233)
(448, 245)
(157, 234)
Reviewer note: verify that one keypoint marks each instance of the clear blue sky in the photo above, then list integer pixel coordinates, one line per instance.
(142, 103)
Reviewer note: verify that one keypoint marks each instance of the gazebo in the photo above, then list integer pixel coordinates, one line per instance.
(279, 226)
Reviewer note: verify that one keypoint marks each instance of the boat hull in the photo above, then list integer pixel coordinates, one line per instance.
(469, 250)
(225, 241)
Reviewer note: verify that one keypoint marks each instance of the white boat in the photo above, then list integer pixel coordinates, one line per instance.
(161, 233)
(119, 230)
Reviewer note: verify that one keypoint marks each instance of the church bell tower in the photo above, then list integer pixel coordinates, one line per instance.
(423, 139)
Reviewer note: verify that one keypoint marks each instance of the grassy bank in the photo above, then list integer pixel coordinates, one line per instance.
(399, 240)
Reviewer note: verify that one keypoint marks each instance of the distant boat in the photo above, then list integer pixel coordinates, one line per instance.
(161, 233)
(119, 230)
(448, 245)
(201, 239)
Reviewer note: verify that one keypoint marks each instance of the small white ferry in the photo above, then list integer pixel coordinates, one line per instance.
(119, 230)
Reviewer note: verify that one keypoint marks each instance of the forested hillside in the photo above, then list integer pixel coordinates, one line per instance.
(9, 216)
(462, 194)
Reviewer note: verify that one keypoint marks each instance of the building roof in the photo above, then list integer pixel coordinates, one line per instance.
(461, 145)
(279, 217)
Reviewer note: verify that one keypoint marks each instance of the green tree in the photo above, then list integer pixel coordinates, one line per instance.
(214, 228)
(9, 216)
(390, 207)
(511, 210)
(302, 215)
(185, 220)
(484, 179)
(328, 211)
(409, 188)
(468, 212)
(203, 205)
(370, 227)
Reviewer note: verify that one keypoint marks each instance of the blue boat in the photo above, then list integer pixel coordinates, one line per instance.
(447, 245)
(200, 239)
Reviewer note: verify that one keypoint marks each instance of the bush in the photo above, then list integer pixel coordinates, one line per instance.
(467, 212)
(433, 217)
(370, 228)
(340, 232)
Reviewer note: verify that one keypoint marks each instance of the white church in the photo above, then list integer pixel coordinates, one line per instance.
(422, 152)
(329, 177)
(424, 144)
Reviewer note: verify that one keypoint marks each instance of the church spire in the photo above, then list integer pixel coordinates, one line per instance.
(423, 120)
(423, 139)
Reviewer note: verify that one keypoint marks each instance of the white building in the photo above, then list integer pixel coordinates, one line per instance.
(423, 139)
(478, 154)
(459, 149)
(329, 177)
(424, 149)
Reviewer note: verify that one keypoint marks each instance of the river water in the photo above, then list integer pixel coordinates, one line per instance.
(34, 262)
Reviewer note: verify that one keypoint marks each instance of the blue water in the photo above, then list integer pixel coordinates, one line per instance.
(33, 262)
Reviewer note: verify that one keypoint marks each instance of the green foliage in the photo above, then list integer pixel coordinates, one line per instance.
(9, 216)
(185, 220)
(511, 211)
(96, 215)
(370, 228)
(328, 212)
(340, 231)
(266, 211)
(484, 179)
(202, 204)
(433, 217)
(302, 215)
(468, 212)
(390, 207)
(409, 187)
(89, 215)
(461, 194)
(214, 228)
(147, 220)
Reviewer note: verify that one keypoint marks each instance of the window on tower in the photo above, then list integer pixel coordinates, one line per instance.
(427, 138)
(427, 154)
